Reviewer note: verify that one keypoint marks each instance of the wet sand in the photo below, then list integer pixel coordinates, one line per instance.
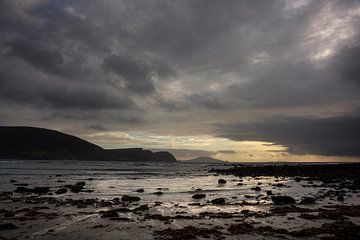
(196, 202)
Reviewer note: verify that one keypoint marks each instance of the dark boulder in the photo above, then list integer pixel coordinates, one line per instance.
(221, 181)
(199, 196)
(256, 189)
(218, 201)
(61, 191)
(127, 198)
(340, 198)
(307, 200)
(282, 200)
(75, 188)
(80, 184)
(7, 226)
(158, 193)
(140, 190)
(110, 214)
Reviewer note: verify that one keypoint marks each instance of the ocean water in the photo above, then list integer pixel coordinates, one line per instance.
(178, 181)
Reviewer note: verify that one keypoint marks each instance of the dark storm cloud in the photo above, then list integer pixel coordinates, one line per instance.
(96, 127)
(348, 64)
(133, 61)
(332, 136)
(136, 73)
(46, 60)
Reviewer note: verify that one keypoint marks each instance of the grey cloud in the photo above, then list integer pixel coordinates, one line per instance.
(108, 59)
(46, 60)
(337, 136)
(136, 73)
(96, 127)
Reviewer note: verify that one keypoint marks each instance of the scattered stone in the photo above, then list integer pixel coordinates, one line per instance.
(127, 198)
(110, 214)
(36, 190)
(199, 196)
(307, 200)
(340, 198)
(140, 190)
(297, 179)
(21, 184)
(74, 188)
(241, 228)
(269, 192)
(282, 200)
(158, 193)
(188, 232)
(218, 201)
(142, 208)
(279, 185)
(256, 188)
(221, 181)
(61, 191)
(7, 226)
(80, 184)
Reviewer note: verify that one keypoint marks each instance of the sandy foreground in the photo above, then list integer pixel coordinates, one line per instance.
(231, 203)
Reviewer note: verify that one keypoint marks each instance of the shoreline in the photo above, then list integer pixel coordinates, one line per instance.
(217, 204)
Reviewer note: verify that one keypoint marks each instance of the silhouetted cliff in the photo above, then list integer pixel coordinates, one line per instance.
(44, 144)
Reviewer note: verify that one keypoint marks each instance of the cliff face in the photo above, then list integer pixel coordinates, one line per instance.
(44, 144)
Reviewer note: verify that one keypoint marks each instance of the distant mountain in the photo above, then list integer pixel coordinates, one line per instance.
(208, 160)
(45, 144)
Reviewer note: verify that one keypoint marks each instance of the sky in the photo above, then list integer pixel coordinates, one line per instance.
(238, 80)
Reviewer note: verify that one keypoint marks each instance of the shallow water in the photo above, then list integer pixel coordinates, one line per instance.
(178, 182)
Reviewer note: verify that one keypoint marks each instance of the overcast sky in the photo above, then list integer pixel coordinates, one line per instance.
(238, 80)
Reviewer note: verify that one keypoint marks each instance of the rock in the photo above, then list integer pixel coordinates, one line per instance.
(36, 190)
(269, 192)
(110, 214)
(21, 184)
(60, 181)
(199, 196)
(142, 208)
(140, 190)
(80, 184)
(158, 193)
(307, 200)
(282, 200)
(12, 181)
(240, 184)
(61, 191)
(297, 179)
(7, 226)
(340, 198)
(74, 188)
(221, 181)
(22, 190)
(127, 198)
(41, 190)
(256, 188)
(218, 201)
(279, 185)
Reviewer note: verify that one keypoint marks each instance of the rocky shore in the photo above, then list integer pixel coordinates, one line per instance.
(271, 202)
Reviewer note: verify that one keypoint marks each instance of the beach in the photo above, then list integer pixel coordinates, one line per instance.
(117, 200)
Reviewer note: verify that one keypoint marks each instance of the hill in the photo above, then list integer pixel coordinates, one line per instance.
(44, 144)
